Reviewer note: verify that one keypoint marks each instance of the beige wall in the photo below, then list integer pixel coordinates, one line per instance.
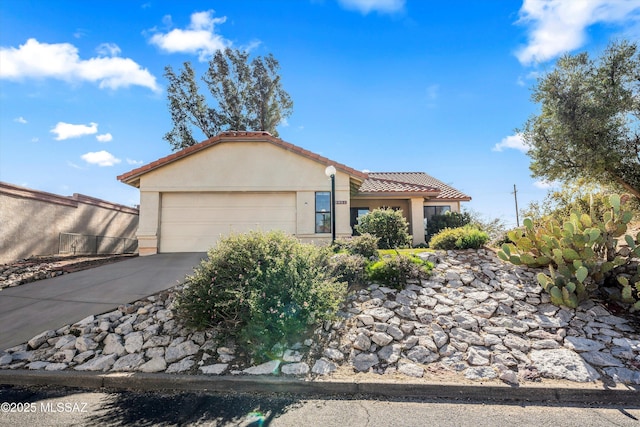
(31, 221)
(242, 167)
(411, 210)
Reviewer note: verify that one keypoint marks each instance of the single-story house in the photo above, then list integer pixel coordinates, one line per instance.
(238, 181)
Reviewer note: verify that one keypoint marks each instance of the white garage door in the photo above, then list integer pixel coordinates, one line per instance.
(193, 222)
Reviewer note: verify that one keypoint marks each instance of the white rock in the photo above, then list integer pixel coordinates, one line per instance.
(99, 363)
(270, 367)
(323, 367)
(299, 368)
(215, 369)
(156, 364)
(133, 342)
(40, 339)
(128, 363)
(562, 364)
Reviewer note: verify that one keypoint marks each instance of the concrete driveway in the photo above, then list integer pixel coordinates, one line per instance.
(29, 309)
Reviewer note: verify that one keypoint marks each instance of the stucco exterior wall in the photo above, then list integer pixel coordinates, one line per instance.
(243, 167)
(31, 221)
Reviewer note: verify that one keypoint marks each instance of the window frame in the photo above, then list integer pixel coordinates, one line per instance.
(322, 217)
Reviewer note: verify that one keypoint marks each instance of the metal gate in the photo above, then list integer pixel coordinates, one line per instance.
(82, 244)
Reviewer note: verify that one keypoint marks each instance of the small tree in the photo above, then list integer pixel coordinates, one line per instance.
(446, 220)
(388, 225)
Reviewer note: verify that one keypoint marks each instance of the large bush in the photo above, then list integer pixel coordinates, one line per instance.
(467, 237)
(447, 220)
(388, 225)
(365, 245)
(581, 253)
(263, 288)
(396, 271)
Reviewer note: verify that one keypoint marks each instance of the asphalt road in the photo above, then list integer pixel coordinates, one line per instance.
(35, 307)
(68, 407)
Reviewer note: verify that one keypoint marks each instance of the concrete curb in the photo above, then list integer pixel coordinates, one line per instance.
(580, 394)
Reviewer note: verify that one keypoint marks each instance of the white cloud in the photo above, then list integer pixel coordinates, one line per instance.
(21, 120)
(61, 61)
(432, 92)
(106, 137)
(67, 130)
(513, 141)
(366, 6)
(198, 38)
(35, 139)
(544, 184)
(134, 162)
(108, 49)
(100, 158)
(559, 26)
(73, 165)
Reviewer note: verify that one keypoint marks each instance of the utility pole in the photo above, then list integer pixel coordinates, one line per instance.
(515, 196)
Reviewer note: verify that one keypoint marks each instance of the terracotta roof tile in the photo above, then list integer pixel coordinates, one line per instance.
(410, 182)
(231, 136)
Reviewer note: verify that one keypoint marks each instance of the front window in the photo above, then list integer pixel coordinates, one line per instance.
(430, 211)
(323, 212)
(356, 213)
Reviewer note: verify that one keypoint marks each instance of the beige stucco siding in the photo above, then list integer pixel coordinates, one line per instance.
(234, 186)
(193, 222)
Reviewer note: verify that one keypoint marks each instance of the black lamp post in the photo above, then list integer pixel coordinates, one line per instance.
(330, 171)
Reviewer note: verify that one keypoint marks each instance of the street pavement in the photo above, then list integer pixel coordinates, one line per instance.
(21, 406)
(29, 309)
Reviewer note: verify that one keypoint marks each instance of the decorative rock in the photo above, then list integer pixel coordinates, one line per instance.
(381, 338)
(323, 367)
(299, 368)
(215, 369)
(411, 370)
(56, 367)
(37, 365)
(362, 342)
(84, 344)
(380, 313)
(99, 363)
(128, 363)
(364, 361)
(156, 364)
(333, 354)
(292, 356)
(267, 368)
(599, 358)
(40, 339)
(184, 349)
(623, 375)
(480, 373)
(113, 345)
(478, 356)
(582, 344)
(181, 366)
(562, 364)
(466, 336)
(5, 359)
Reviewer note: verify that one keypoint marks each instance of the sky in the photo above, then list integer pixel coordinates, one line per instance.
(382, 85)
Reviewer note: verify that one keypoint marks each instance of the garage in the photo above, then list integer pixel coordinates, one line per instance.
(194, 221)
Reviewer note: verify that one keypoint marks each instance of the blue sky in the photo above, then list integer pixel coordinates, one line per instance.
(380, 85)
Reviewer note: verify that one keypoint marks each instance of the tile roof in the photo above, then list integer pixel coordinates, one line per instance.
(405, 182)
(131, 177)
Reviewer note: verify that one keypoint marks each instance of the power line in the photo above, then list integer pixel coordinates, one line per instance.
(515, 196)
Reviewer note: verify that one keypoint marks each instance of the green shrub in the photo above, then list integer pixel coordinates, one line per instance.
(262, 288)
(581, 254)
(447, 220)
(349, 268)
(395, 271)
(365, 245)
(388, 225)
(467, 237)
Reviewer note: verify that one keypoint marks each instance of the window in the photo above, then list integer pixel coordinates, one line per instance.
(430, 211)
(356, 213)
(323, 212)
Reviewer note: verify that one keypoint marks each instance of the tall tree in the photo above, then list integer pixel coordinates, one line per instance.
(247, 96)
(589, 120)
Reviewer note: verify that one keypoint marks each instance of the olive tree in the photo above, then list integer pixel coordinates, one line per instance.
(588, 122)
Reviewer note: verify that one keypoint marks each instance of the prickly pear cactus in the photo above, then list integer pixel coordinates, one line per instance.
(581, 254)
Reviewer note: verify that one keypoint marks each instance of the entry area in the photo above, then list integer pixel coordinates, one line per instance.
(194, 221)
